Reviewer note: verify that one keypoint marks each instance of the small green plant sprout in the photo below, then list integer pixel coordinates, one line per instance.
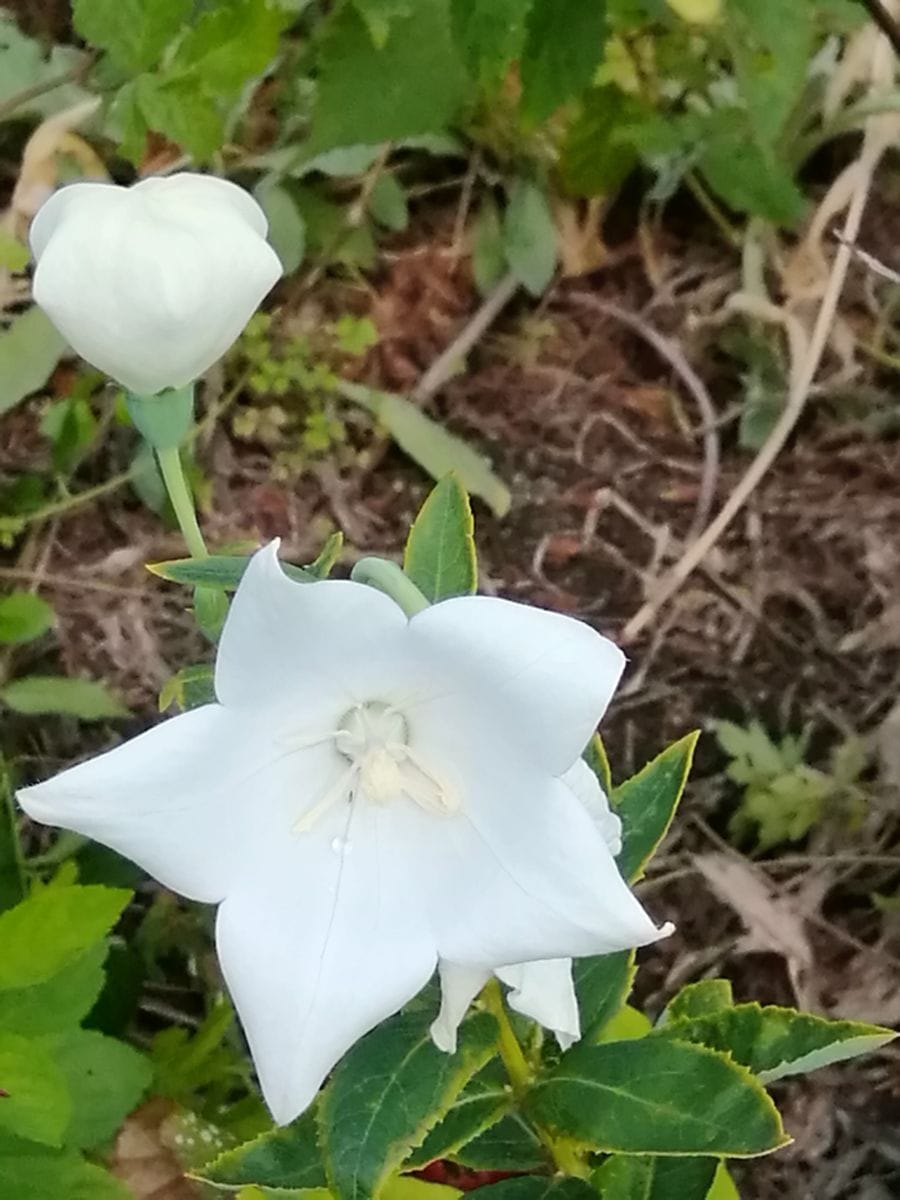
(784, 797)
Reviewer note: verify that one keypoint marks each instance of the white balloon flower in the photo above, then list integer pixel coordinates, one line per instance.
(152, 283)
(369, 795)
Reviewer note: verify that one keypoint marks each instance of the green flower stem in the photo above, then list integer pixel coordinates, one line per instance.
(565, 1155)
(182, 501)
(387, 577)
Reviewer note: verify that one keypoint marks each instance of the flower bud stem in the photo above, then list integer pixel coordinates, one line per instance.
(387, 577)
(182, 501)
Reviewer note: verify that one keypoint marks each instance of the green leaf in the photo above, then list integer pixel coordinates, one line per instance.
(24, 617)
(388, 1092)
(435, 450)
(387, 203)
(537, 1187)
(510, 1145)
(176, 108)
(478, 1107)
(646, 804)
(218, 571)
(106, 1078)
(440, 550)
(378, 15)
(529, 237)
(83, 698)
(747, 176)
(701, 999)
(189, 688)
(30, 348)
(723, 1186)
(602, 985)
(772, 45)
(597, 153)
(36, 1104)
(14, 255)
(325, 561)
(775, 1042)
(281, 1158)
(563, 48)
(637, 1177)
(54, 926)
(413, 84)
(488, 252)
(596, 758)
(230, 44)
(24, 65)
(133, 32)
(489, 34)
(628, 1098)
(287, 229)
(58, 1003)
(32, 1172)
(12, 867)
(627, 1024)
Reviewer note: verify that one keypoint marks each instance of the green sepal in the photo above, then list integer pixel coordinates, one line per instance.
(163, 420)
(223, 571)
(646, 804)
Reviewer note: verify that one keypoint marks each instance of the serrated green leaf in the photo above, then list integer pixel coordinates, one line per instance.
(489, 34)
(537, 1187)
(602, 985)
(388, 1092)
(58, 1003)
(529, 236)
(478, 1107)
(563, 48)
(32, 1172)
(30, 348)
(189, 688)
(626, 1097)
(440, 550)
(24, 617)
(597, 153)
(229, 44)
(176, 108)
(647, 802)
(86, 699)
(637, 1177)
(218, 571)
(106, 1078)
(281, 1158)
(52, 928)
(772, 45)
(748, 177)
(435, 450)
(625, 1025)
(597, 759)
(36, 1103)
(701, 999)
(509, 1145)
(775, 1042)
(133, 32)
(413, 84)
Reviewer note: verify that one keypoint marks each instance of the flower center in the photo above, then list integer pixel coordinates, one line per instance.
(373, 738)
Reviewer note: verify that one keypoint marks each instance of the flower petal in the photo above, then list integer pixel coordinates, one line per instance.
(316, 648)
(545, 992)
(170, 800)
(459, 987)
(586, 786)
(319, 948)
(550, 675)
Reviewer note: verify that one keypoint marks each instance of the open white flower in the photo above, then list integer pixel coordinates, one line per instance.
(152, 283)
(369, 795)
(545, 990)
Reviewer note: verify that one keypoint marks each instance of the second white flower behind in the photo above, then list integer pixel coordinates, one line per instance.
(370, 795)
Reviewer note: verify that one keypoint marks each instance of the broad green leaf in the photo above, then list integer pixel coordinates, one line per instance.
(32, 1172)
(488, 253)
(628, 1098)
(563, 48)
(133, 32)
(12, 867)
(597, 153)
(218, 571)
(771, 45)
(510, 1145)
(24, 617)
(281, 1158)
(636, 1177)
(529, 237)
(747, 176)
(52, 928)
(36, 1104)
(58, 1003)
(701, 999)
(230, 44)
(413, 84)
(188, 688)
(775, 1042)
(176, 108)
(602, 985)
(489, 34)
(627, 1024)
(435, 450)
(106, 1078)
(388, 205)
(83, 698)
(388, 1092)
(646, 804)
(538, 1187)
(30, 348)
(480, 1105)
(287, 229)
(440, 550)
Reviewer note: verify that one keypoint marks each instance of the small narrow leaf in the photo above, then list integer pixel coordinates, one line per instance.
(479, 1107)
(628, 1098)
(646, 804)
(218, 571)
(24, 617)
(529, 237)
(85, 699)
(188, 688)
(440, 550)
(280, 1158)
